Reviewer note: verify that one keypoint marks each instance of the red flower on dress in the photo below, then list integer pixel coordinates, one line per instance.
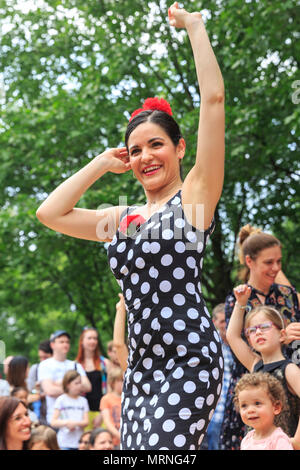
(158, 104)
(130, 223)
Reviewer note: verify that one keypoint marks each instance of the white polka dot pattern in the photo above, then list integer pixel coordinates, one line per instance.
(175, 364)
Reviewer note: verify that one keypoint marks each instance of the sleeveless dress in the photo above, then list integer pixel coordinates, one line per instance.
(175, 364)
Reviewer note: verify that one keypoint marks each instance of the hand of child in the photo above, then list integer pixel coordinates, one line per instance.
(120, 306)
(71, 425)
(242, 294)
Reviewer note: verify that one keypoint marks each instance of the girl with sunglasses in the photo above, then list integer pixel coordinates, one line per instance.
(265, 331)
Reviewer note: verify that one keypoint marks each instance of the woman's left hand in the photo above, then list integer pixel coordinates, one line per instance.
(180, 18)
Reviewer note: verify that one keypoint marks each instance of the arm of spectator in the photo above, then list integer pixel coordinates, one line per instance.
(56, 422)
(32, 377)
(109, 423)
(234, 331)
(84, 422)
(282, 279)
(119, 333)
(86, 385)
(69, 423)
(53, 389)
(32, 397)
(296, 439)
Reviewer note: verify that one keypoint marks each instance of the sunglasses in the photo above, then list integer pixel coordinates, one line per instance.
(262, 327)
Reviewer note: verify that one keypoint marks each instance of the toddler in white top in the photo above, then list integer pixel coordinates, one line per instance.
(70, 412)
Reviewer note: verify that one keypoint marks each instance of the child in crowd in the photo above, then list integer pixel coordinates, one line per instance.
(260, 399)
(70, 412)
(84, 441)
(110, 405)
(43, 438)
(101, 439)
(22, 393)
(265, 332)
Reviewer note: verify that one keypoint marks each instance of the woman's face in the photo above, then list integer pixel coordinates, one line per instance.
(266, 266)
(153, 156)
(90, 340)
(18, 426)
(103, 442)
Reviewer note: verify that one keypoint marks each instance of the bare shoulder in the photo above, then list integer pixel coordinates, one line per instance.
(292, 376)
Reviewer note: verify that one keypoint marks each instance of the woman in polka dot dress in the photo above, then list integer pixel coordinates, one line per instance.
(175, 365)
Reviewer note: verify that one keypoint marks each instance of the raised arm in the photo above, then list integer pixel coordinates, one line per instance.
(119, 333)
(235, 327)
(59, 213)
(204, 183)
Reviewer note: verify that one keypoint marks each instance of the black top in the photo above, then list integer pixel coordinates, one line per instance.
(95, 395)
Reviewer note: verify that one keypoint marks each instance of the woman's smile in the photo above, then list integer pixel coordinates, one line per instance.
(151, 169)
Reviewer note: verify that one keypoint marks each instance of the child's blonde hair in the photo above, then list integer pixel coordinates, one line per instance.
(68, 378)
(273, 388)
(270, 312)
(46, 435)
(114, 374)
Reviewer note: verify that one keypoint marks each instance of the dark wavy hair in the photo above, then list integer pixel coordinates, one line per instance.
(16, 375)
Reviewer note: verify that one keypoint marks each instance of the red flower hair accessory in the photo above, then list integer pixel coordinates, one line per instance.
(153, 104)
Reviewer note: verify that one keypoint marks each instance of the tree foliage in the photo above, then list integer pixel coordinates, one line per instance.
(72, 72)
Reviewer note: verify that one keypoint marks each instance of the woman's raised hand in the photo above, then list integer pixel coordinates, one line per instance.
(117, 160)
(180, 18)
(242, 293)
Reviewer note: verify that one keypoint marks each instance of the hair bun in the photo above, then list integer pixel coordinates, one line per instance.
(154, 104)
(246, 231)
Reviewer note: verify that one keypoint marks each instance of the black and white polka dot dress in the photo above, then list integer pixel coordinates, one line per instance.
(175, 365)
